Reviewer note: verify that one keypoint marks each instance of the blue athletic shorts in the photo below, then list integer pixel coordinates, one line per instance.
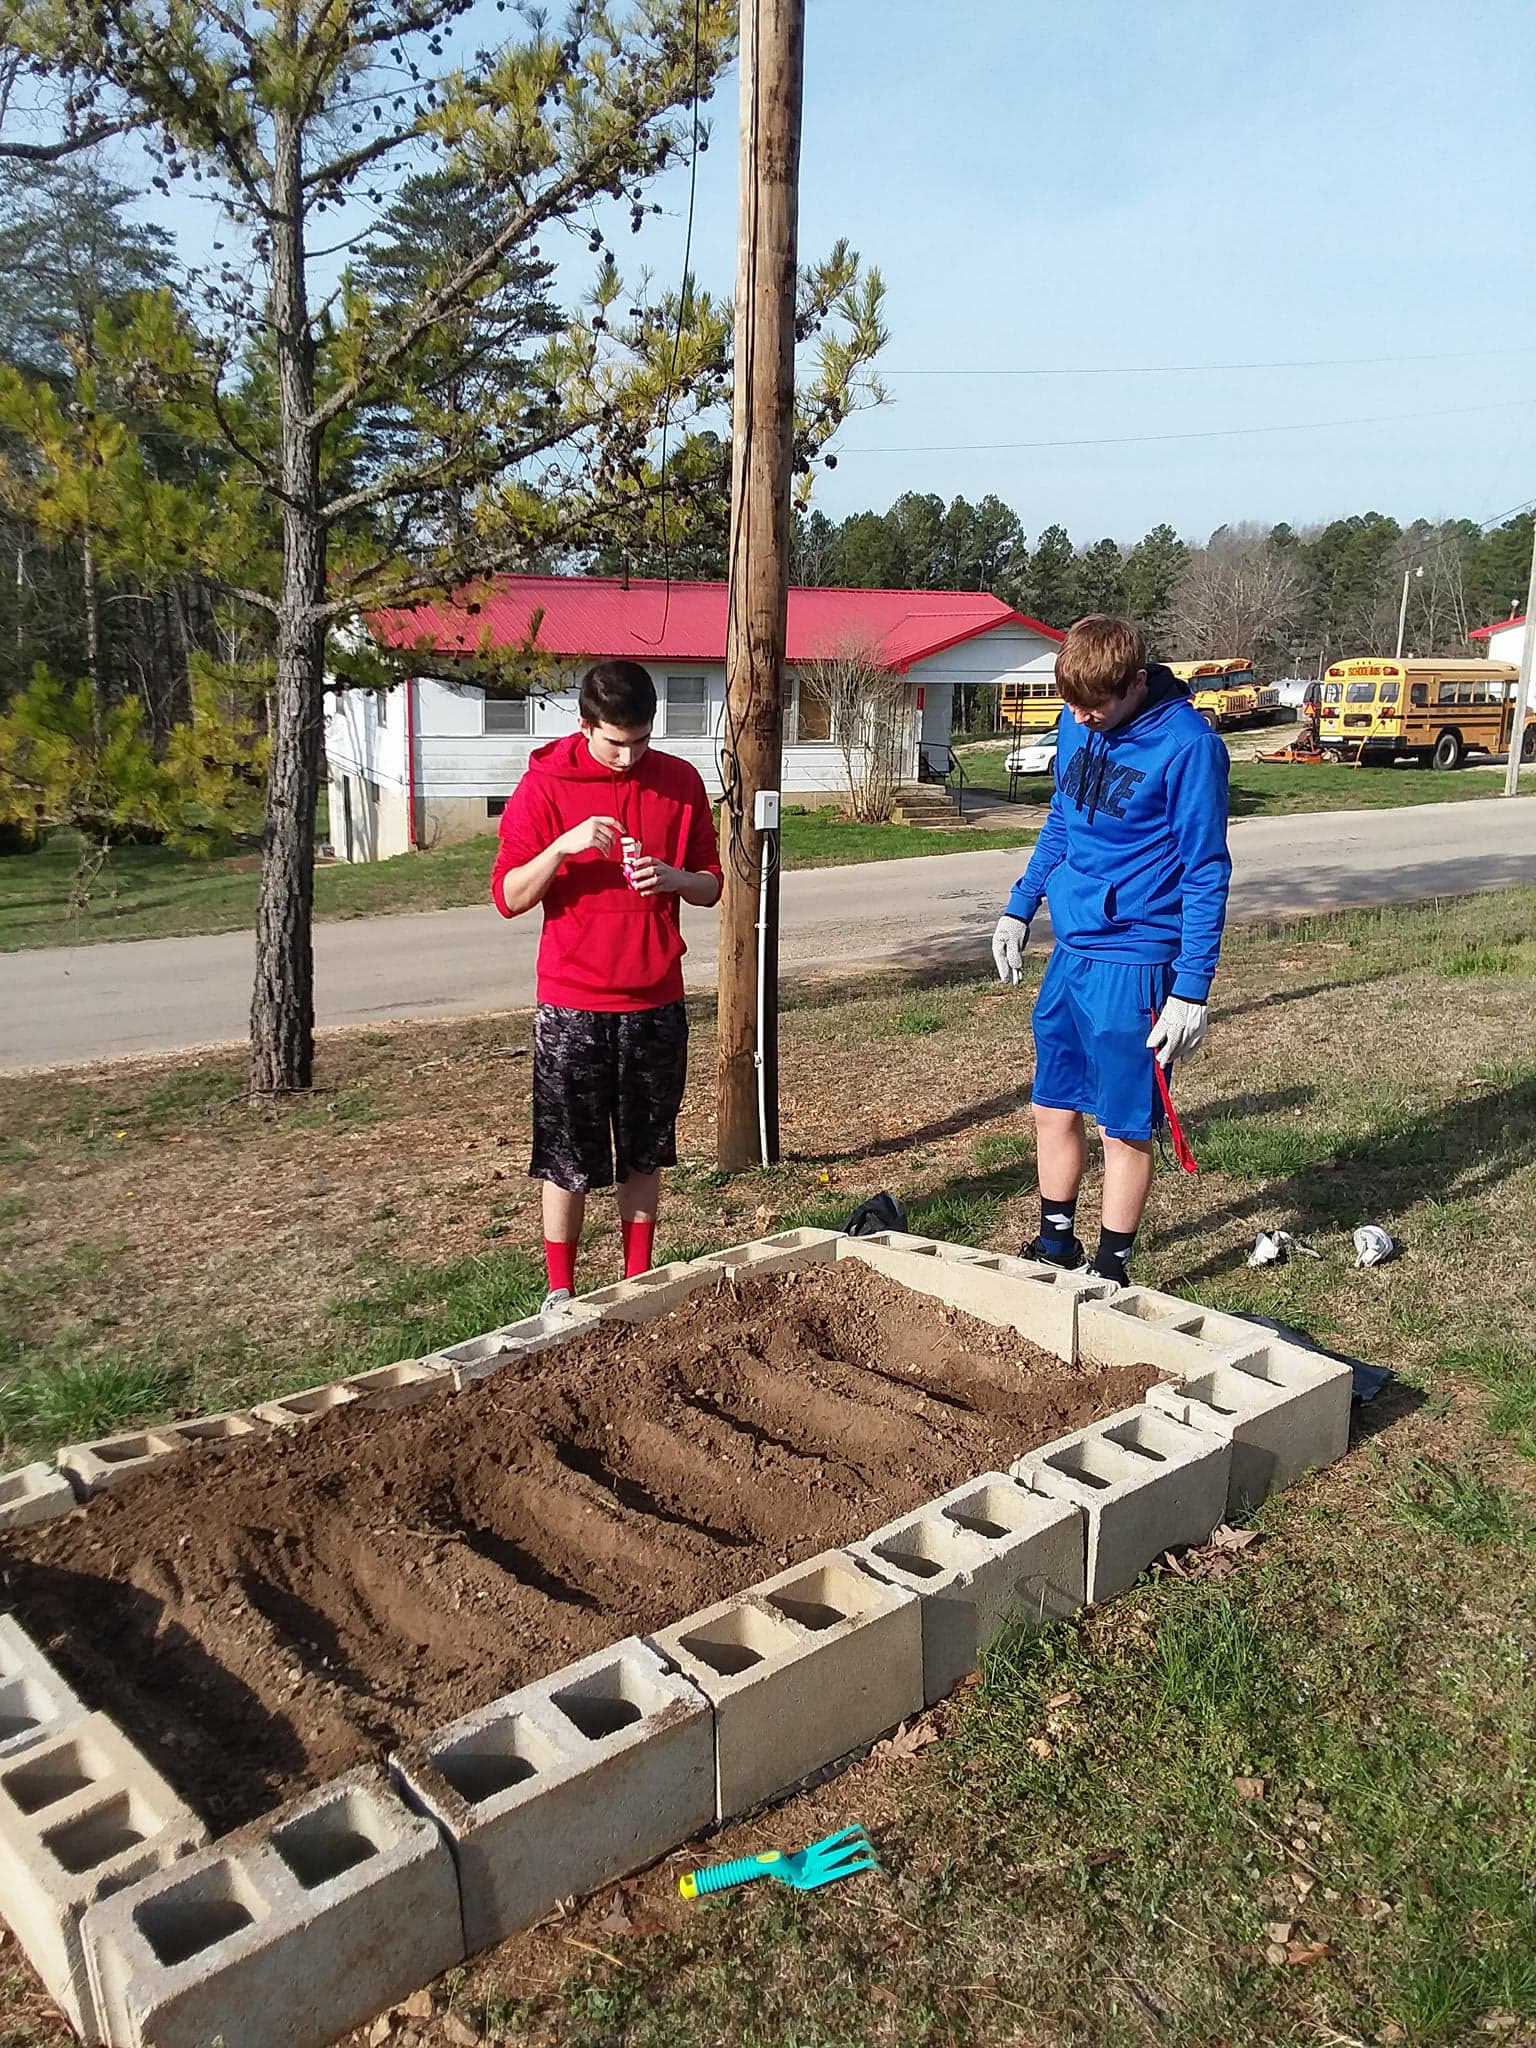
(1091, 1022)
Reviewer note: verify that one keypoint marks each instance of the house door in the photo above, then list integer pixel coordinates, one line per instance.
(346, 817)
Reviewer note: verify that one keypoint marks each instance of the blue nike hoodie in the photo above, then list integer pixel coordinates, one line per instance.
(1133, 859)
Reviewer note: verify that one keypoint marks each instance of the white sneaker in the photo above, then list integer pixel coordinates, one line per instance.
(1091, 1272)
(556, 1299)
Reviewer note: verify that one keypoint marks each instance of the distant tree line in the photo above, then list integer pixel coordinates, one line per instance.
(1289, 596)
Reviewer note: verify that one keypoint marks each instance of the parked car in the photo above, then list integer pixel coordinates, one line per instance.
(1037, 756)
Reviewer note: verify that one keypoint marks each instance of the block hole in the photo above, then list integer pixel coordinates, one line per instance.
(205, 1909)
(1135, 1437)
(1263, 1365)
(16, 1486)
(317, 1401)
(95, 1838)
(336, 1837)
(214, 1429)
(919, 1550)
(824, 1598)
(24, 1705)
(609, 1700)
(124, 1450)
(45, 1780)
(494, 1759)
(991, 1511)
(738, 1640)
(1091, 1462)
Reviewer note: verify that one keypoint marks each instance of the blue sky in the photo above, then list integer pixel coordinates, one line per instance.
(1101, 183)
(1095, 185)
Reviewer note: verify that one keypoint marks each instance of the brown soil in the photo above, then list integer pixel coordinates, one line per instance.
(261, 1615)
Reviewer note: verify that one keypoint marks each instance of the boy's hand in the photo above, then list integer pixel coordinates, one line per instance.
(1178, 1032)
(651, 877)
(599, 835)
(1008, 943)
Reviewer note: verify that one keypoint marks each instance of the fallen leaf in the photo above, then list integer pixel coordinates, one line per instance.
(1367, 1908)
(1038, 1747)
(417, 2007)
(459, 2032)
(1061, 1699)
(1279, 1930)
(909, 1739)
(1500, 2023)
(1248, 1788)
(1228, 1538)
(381, 2030)
(1302, 1954)
(1302, 1885)
(616, 1918)
(1274, 1953)
(1391, 2033)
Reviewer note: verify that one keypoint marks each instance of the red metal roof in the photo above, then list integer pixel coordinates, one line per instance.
(1482, 632)
(588, 618)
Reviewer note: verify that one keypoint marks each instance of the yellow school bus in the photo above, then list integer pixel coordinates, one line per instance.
(1421, 709)
(1223, 689)
(1029, 703)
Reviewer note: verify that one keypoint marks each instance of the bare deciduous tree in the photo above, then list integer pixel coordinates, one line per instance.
(1238, 595)
(865, 703)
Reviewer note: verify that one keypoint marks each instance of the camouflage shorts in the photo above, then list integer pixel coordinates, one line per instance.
(607, 1086)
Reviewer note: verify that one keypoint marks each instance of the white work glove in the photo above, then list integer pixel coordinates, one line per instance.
(1008, 943)
(1178, 1032)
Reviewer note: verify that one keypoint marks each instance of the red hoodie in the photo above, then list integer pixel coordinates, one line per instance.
(604, 947)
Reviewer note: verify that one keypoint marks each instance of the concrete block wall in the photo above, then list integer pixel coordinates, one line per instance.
(286, 1933)
(1145, 1482)
(610, 1763)
(1284, 1411)
(81, 1815)
(35, 1701)
(986, 1556)
(1041, 1302)
(564, 1785)
(34, 1493)
(799, 1669)
(89, 1468)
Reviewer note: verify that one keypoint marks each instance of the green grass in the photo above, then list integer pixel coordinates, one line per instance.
(62, 1400)
(1457, 1501)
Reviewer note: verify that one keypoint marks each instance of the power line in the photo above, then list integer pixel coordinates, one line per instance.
(1380, 419)
(1209, 369)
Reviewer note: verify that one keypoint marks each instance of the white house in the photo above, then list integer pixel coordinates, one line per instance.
(1504, 641)
(426, 762)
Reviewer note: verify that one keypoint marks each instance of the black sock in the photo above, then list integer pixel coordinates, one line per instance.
(1113, 1256)
(1058, 1225)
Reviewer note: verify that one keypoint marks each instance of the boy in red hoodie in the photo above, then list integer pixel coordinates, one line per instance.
(607, 834)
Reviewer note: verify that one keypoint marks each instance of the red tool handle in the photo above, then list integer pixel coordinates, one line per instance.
(1182, 1150)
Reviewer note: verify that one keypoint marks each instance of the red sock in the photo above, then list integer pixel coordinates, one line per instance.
(639, 1237)
(560, 1263)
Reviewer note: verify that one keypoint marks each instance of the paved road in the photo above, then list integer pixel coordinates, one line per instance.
(70, 1004)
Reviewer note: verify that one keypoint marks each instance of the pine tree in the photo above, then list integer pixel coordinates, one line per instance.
(1049, 590)
(1100, 579)
(1152, 574)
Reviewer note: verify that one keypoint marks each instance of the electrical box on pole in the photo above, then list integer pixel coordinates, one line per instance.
(762, 464)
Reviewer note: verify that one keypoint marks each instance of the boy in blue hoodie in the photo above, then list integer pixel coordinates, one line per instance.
(1134, 864)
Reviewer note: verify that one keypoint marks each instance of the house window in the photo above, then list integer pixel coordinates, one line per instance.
(506, 714)
(494, 806)
(813, 714)
(381, 706)
(687, 707)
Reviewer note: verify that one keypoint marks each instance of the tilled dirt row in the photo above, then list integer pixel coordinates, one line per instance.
(261, 1615)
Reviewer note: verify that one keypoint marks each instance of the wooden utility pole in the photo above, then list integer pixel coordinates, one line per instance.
(762, 437)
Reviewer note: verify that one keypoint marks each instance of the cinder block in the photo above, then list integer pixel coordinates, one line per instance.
(478, 1357)
(652, 1294)
(35, 1701)
(985, 1556)
(1284, 1411)
(91, 1467)
(1040, 1302)
(286, 1933)
(214, 1429)
(400, 1385)
(81, 1815)
(800, 1669)
(1146, 1483)
(1138, 1326)
(34, 1493)
(564, 1785)
(292, 1409)
(785, 1252)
